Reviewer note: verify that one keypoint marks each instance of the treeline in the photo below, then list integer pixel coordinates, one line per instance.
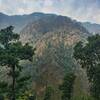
(88, 56)
(11, 52)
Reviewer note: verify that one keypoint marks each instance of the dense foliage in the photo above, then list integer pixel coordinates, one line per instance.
(48, 93)
(88, 55)
(67, 86)
(11, 52)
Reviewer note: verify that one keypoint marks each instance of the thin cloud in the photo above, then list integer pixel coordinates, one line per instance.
(82, 10)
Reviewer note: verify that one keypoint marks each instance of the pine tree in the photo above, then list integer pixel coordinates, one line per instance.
(48, 93)
(67, 86)
(11, 52)
(88, 56)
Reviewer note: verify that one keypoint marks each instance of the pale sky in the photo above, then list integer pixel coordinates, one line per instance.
(82, 10)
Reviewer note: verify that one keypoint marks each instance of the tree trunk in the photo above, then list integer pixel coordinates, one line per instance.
(13, 83)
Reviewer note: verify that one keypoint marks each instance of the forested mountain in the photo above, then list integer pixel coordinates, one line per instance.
(49, 50)
(54, 37)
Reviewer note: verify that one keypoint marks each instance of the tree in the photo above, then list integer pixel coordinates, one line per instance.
(32, 97)
(11, 52)
(88, 56)
(48, 93)
(67, 86)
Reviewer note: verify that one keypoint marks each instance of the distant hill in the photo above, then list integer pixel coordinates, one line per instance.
(92, 27)
(19, 21)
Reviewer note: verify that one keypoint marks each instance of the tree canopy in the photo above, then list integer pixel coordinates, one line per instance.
(88, 55)
(11, 52)
(67, 86)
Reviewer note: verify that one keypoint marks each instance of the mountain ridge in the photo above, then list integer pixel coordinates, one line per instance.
(20, 21)
(92, 27)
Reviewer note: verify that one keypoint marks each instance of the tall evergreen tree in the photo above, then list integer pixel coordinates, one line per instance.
(67, 86)
(48, 93)
(11, 52)
(88, 56)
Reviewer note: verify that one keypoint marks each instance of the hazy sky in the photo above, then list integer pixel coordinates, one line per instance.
(83, 10)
